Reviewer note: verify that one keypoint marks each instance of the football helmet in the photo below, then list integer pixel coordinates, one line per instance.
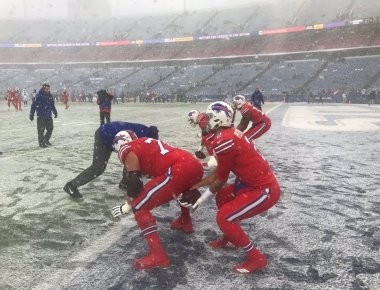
(192, 117)
(123, 137)
(220, 114)
(238, 101)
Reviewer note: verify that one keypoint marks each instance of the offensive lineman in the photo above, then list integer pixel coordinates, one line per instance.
(254, 191)
(173, 172)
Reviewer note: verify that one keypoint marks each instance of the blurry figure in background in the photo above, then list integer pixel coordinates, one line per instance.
(194, 117)
(65, 98)
(260, 122)
(104, 102)
(103, 147)
(44, 105)
(33, 95)
(344, 98)
(9, 97)
(173, 172)
(310, 98)
(255, 189)
(257, 99)
(18, 99)
(371, 98)
(25, 97)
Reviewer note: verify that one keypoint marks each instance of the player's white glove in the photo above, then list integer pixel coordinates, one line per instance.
(182, 202)
(121, 209)
(205, 196)
(212, 162)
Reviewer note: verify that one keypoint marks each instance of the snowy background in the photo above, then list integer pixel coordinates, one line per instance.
(323, 234)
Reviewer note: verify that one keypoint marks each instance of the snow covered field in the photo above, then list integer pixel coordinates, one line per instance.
(324, 233)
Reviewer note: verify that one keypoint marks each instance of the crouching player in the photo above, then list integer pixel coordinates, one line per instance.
(173, 170)
(255, 189)
(260, 122)
(104, 137)
(195, 118)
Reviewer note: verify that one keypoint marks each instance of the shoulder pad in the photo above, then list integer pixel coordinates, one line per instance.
(123, 152)
(224, 142)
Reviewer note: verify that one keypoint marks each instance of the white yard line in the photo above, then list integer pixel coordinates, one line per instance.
(83, 258)
(272, 109)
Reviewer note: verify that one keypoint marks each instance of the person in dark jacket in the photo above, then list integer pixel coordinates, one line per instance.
(103, 147)
(44, 105)
(104, 102)
(257, 99)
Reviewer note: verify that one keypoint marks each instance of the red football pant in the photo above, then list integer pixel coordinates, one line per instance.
(244, 204)
(258, 129)
(162, 189)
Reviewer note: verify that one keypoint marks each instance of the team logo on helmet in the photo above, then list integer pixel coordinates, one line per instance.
(218, 107)
(122, 138)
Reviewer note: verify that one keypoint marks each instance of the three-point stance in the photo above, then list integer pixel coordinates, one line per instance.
(173, 170)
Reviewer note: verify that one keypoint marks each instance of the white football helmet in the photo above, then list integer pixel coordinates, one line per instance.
(121, 138)
(220, 114)
(238, 101)
(192, 117)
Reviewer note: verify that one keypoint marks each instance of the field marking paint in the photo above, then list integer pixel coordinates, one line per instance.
(345, 118)
(272, 109)
(83, 258)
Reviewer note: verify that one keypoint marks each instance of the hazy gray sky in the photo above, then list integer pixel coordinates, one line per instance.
(59, 8)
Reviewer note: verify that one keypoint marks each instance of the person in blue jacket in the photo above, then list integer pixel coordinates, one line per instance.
(103, 148)
(257, 99)
(104, 102)
(44, 105)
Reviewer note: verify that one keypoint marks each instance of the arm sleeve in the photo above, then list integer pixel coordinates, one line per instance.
(224, 151)
(34, 106)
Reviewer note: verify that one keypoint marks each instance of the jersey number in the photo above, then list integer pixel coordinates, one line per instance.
(163, 151)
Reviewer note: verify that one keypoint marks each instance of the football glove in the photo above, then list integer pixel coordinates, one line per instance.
(188, 198)
(205, 196)
(121, 209)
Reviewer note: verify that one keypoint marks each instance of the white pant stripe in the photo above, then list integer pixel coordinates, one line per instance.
(154, 190)
(254, 134)
(248, 208)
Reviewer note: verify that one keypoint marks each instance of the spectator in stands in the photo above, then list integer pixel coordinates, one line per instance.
(257, 99)
(104, 102)
(44, 105)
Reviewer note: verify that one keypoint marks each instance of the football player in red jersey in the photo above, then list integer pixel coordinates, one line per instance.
(254, 191)
(173, 172)
(260, 122)
(195, 118)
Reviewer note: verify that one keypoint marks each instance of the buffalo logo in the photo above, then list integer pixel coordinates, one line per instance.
(220, 107)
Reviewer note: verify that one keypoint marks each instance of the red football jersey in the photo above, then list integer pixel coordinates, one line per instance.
(250, 112)
(235, 153)
(154, 155)
(207, 143)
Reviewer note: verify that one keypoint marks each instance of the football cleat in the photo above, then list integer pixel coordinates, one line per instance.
(72, 190)
(152, 260)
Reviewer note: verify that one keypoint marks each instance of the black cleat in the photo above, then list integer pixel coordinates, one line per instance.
(48, 143)
(43, 145)
(72, 190)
